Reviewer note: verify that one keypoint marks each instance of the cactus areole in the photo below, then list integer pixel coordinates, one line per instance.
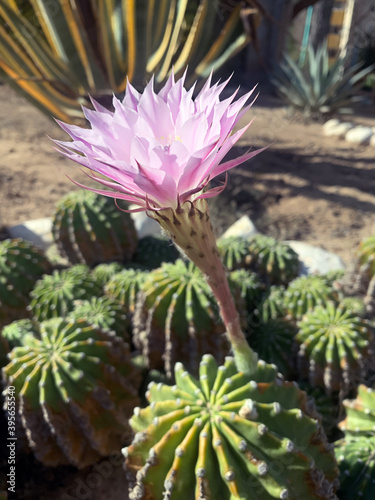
(160, 151)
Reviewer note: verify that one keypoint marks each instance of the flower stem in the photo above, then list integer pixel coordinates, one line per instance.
(190, 228)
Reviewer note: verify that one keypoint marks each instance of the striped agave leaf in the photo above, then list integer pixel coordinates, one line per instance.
(58, 52)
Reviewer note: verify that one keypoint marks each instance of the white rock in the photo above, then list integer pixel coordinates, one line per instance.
(372, 140)
(314, 259)
(330, 125)
(242, 227)
(359, 135)
(37, 231)
(143, 224)
(340, 129)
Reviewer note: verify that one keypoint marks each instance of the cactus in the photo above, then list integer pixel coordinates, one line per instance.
(328, 409)
(272, 305)
(176, 318)
(76, 388)
(306, 292)
(104, 313)
(153, 251)
(225, 436)
(104, 272)
(275, 261)
(247, 289)
(355, 304)
(366, 256)
(90, 229)
(124, 287)
(360, 412)
(234, 252)
(54, 295)
(337, 345)
(18, 332)
(21, 265)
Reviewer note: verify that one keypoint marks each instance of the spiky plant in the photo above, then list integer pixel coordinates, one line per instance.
(226, 436)
(354, 304)
(360, 412)
(277, 262)
(104, 313)
(176, 318)
(336, 347)
(90, 229)
(249, 287)
(321, 88)
(104, 272)
(328, 408)
(272, 305)
(366, 256)
(306, 292)
(21, 265)
(75, 389)
(54, 295)
(153, 251)
(234, 252)
(124, 287)
(18, 332)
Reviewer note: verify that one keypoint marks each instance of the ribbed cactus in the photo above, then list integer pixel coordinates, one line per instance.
(104, 272)
(328, 408)
(76, 388)
(275, 261)
(234, 252)
(247, 290)
(177, 319)
(272, 305)
(124, 287)
(366, 256)
(336, 347)
(360, 412)
(21, 265)
(90, 229)
(18, 332)
(153, 251)
(227, 437)
(104, 313)
(355, 304)
(306, 292)
(54, 295)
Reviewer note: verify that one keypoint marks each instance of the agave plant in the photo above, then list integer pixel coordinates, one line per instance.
(320, 88)
(56, 53)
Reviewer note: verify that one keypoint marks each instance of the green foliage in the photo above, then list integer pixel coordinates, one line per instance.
(104, 272)
(224, 435)
(89, 229)
(320, 88)
(21, 265)
(153, 251)
(250, 289)
(75, 388)
(355, 305)
(337, 345)
(234, 252)
(55, 295)
(360, 412)
(124, 287)
(18, 332)
(272, 305)
(177, 318)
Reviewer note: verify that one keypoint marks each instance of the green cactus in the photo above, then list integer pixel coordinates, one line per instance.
(153, 251)
(104, 313)
(355, 304)
(336, 347)
(272, 305)
(234, 252)
(124, 287)
(4, 349)
(226, 437)
(21, 265)
(360, 412)
(75, 389)
(177, 318)
(247, 290)
(18, 332)
(54, 295)
(366, 256)
(328, 409)
(275, 261)
(89, 229)
(104, 272)
(306, 292)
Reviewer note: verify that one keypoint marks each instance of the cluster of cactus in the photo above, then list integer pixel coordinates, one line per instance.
(226, 436)
(76, 388)
(21, 265)
(234, 252)
(90, 229)
(177, 318)
(125, 286)
(153, 251)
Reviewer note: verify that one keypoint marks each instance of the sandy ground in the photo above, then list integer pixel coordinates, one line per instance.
(305, 186)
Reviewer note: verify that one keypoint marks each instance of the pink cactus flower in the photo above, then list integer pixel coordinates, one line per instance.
(159, 150)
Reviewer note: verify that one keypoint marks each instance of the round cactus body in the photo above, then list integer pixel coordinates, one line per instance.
(275, 261)
(177, 318)
(89, 229)
(21, 265)
(104, 313)
(360, 412)
(272, 305)
(234, 252)
(328, 409)
(54, 295)
(18, 332)
(366, 256)
(306, 292)
(124, 287)
(337, 345)
(104, 272)
(153, 251)
(76, 388)
(250, 287)
(355, 304)
(227, 437)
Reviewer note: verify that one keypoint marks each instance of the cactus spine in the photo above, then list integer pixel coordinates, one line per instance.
(153, 251)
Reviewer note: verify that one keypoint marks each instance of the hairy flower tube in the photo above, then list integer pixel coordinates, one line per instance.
(159, 151)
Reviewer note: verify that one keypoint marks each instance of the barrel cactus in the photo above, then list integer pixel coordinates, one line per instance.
(54, 295)
(366, 256)
(225, 436)
(247, 289)
(76, 388)
(272, 305)
(176, 318)
(336, 347)
(277, 262)
(18, 332)
(153, 251)
(360, 412)
(306, 292)
(354, 304)
(234, 252)
(21, 265)
(90, 229)
(104, 272)
(124, 287)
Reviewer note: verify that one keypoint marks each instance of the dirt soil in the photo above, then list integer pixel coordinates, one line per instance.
(305, 186)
